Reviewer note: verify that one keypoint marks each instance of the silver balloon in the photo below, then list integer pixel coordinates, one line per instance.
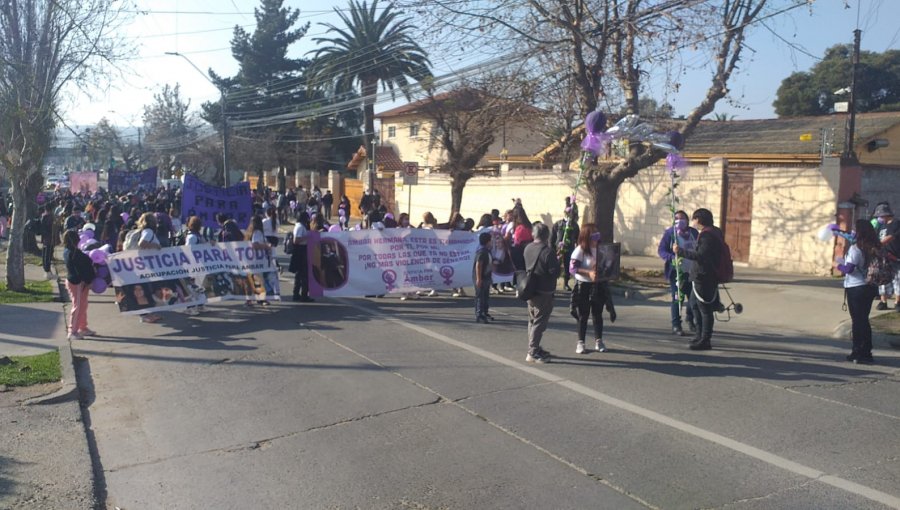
(658, 138)
(640, 132)
(663, 146)
(623, 127)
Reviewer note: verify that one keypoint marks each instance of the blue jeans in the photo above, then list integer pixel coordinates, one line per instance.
(482, 299)
(676, 305)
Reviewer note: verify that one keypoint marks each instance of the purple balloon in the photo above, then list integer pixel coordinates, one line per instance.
(124, 216)
(87, 234)
(595, 143)
(676, 140)
(98, 257)
(334, 228)
(103, 272)
(98, 286)
(595, 123)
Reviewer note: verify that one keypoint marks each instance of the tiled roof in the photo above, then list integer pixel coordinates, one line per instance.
(385, 157)
(783, 136)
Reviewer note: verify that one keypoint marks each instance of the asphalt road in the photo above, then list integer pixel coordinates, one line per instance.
(386, 404)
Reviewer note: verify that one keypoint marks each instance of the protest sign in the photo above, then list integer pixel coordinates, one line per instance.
(393, 260)
(205, 201)
(123, 181)
(83, 182)
(181, 276)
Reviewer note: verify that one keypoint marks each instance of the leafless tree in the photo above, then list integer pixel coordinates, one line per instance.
(466, 120)
(45, 45)
(610, 48)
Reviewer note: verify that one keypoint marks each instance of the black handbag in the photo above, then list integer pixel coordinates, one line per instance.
(289, 243)
(525, 282)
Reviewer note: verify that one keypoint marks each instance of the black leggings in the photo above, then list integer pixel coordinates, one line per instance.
(859, 301)
(588, 300)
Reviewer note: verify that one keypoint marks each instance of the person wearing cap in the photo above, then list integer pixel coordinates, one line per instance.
(889, 234)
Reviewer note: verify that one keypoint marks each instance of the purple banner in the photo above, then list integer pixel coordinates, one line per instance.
(123, 181)
(206, 201)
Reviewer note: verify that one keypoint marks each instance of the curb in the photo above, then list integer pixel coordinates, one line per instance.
(69, 388)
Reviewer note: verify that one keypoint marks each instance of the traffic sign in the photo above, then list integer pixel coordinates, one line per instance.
(411, 168)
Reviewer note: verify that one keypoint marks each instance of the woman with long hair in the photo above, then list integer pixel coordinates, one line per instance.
(299, 259)
(589, 295)
(255, 234)
(78, 283)
(860, 294)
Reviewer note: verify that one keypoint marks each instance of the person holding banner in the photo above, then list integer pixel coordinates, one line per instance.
(257, 238)
(299, 263)
(148, 241)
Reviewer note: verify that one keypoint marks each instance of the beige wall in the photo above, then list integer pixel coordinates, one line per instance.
(643, 206)
(543, 193)
(426, 150)
(790, 205)
(885, 156)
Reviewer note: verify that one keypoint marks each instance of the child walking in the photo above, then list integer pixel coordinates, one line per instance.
(482, 278)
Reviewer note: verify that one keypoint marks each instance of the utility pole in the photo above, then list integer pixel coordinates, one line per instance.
(224, 137)
(372, 173)
(224, 114)
(850, 132)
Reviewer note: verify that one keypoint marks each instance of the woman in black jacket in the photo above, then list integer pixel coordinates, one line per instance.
(704, 284)
(78, 283)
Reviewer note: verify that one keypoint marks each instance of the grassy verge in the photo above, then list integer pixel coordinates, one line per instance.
(886, 323)
(30, 258)
(35, 292)
(28, 370)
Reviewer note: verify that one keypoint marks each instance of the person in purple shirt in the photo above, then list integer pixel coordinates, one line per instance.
(686, 237)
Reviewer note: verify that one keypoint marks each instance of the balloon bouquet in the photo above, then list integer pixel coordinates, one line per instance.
(98, 255)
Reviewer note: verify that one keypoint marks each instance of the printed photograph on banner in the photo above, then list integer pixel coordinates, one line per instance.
(503, 268)
(330, 263)
(158, 296)
(609, 256)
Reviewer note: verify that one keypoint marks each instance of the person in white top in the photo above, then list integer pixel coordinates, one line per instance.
(299, 260)
(148, 241)
(258, 240)
(589, 295)
(860, 294)
(193, 238)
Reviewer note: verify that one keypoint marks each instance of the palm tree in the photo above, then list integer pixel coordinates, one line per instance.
(371, 48)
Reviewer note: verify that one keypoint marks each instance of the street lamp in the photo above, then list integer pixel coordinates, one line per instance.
(224, 117)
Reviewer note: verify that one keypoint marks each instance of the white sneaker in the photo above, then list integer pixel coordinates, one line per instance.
(432, 293)
(421, 293)
(87, 332)
(601, 347)
(75, 336)
(456, 294)
(537, 358)
(191, 311)
(579, 349)
(403, 298)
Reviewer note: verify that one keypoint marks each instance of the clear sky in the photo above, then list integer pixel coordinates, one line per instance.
(202, 29)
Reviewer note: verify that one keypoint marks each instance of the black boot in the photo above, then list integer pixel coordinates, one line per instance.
(702, 345)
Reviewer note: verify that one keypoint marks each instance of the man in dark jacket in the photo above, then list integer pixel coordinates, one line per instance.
(540, 256)
(705, 285)
(563, 240)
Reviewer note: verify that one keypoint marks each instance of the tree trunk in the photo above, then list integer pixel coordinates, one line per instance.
(15, 255)
(35, 184)
(457, 185)
(603, 194)
(369, 90)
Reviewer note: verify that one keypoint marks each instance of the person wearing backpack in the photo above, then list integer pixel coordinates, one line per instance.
(704, 282)
(859, 291)
(78, 283)
(888, 231)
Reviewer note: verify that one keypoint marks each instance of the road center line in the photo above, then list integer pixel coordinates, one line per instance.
(750, 451)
